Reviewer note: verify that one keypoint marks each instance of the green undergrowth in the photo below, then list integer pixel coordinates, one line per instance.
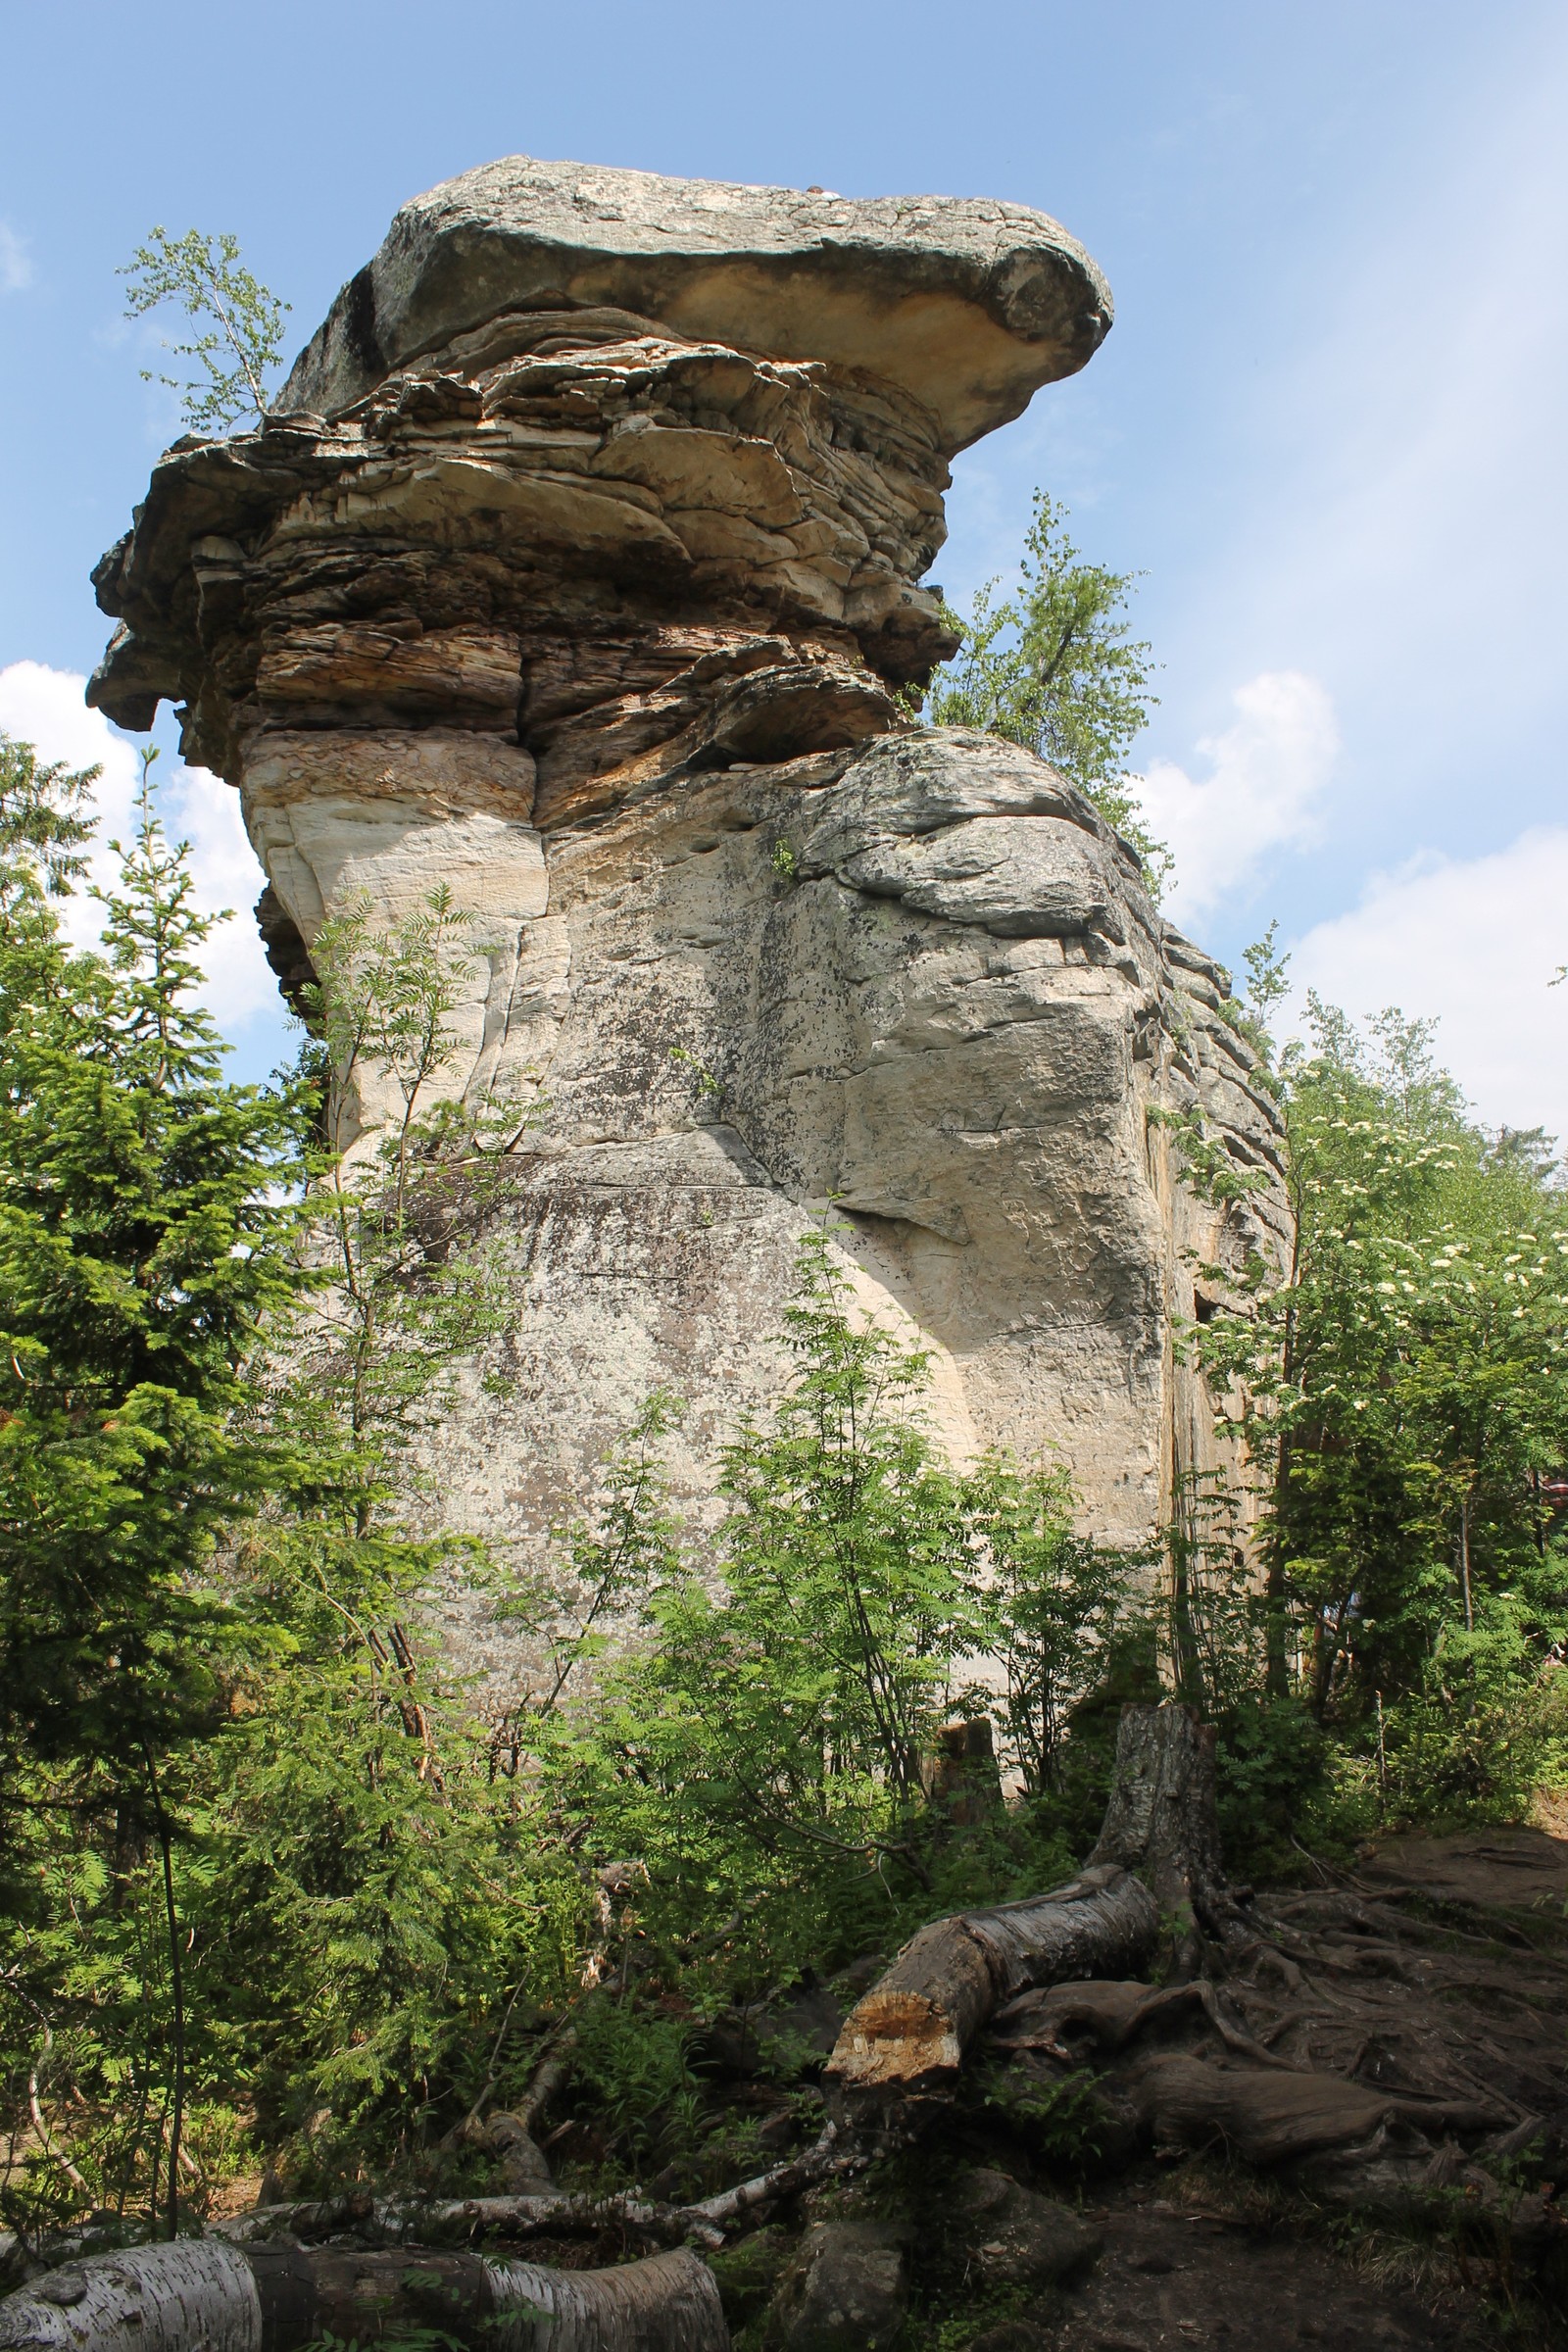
(281, 1893)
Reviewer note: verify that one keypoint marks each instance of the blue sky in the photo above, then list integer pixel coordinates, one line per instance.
(1327, 427)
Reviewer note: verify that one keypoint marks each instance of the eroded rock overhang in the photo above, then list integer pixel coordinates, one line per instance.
(582, 570)
(636, 474)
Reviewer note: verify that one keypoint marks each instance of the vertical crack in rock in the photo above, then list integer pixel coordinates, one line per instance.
(580, 570)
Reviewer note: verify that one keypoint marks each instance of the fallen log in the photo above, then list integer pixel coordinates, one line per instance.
(908, 2035)
(166, 2298)
(206, 2295)
(1158, 1848)
(553, 2214)
(418, 2220)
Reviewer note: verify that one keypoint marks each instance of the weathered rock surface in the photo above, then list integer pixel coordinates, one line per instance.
(846, 2291)
(1016, 2238)
(580, 572)
(969, 304)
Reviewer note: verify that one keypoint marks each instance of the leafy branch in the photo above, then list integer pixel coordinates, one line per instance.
(241, 344)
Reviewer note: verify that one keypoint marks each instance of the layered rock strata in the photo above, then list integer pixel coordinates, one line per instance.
(580, 570)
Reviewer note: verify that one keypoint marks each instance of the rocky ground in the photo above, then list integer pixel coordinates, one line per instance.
(1343, 2123)
(1134, 2166)
(1177, 2275)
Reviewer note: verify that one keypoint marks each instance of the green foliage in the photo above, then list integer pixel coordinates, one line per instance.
(1054, 666)
(143, 1245)
(1054, 1600)
(232, 358)
(146, 1237)
(1059, 2119)
(765, 1752)
(615, 1560)
(762, 1752)
(403, 1290)
(1405, 1398)
(259, 1851)
(632, 2063)
(748, 2273)
(276, 1881)
(1273, 1766)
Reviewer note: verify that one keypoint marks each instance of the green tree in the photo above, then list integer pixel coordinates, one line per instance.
(1054, 666)
(261, 1855)
(1406, 1391)
(397, 1209)
(1054, 1600)
(766, 1750)
(379, 1881)
(146, 1238)
(242, 343)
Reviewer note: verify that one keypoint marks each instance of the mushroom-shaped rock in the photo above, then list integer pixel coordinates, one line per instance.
(581, 573)
(968, 304)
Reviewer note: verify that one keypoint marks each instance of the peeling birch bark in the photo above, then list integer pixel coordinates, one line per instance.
(666, 2304)
(205, 2295)
(194, 2295)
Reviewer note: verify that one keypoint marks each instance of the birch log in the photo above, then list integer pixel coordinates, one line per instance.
(170, 2298)
(666, 2304)
(205, 2295)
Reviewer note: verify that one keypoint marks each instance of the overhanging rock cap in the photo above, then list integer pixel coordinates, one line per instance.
(969, 304)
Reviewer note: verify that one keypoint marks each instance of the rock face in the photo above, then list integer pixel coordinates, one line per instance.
(969, 306)
(1015, 2237)
(579, 570)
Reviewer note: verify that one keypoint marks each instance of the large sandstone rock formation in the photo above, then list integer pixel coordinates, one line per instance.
(580, 570)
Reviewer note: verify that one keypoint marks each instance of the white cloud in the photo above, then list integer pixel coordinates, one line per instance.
(1475, 942)
(16, 262)
(1398, 474)
(44, 707)
(1263, 792)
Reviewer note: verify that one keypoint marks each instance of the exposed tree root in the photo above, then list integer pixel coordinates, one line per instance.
(1345, 2041)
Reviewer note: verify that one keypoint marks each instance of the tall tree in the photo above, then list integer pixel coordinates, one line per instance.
(1407, 1393)
(146, 1237)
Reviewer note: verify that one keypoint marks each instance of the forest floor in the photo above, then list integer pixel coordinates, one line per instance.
(1199, 2250)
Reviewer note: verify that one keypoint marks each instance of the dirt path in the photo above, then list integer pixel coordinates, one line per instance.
(1169, 2279)
(1441, 1965)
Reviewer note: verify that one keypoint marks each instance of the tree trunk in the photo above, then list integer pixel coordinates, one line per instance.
(168, 2298)
(1160, 1822)
(207, 2296)
(666, 2304)
(960, 1777)
(909, 2033)
(1158, 1846)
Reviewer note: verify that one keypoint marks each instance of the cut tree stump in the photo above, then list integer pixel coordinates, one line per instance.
(203, 2295)
(1158, 1846)
(1160, 1821)
(908, 2035)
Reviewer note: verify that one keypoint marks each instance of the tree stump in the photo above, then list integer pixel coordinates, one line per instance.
(1160, 1822)
(1158, 1846)
(907, 2038)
